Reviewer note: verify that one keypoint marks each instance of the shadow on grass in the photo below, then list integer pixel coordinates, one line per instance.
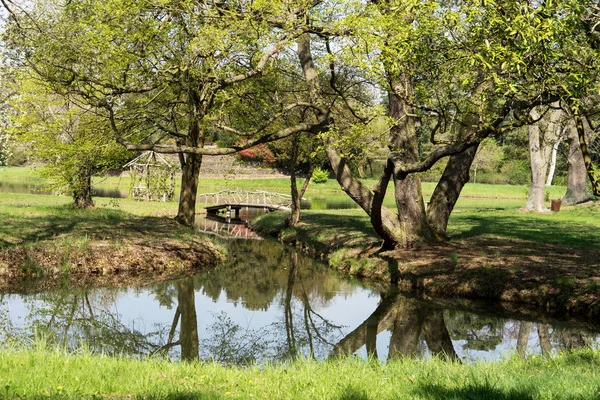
(45, 223)
(473, 392)
(529, 227)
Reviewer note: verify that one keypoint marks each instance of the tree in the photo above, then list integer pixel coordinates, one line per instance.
(542, 137)
(70, 142)
(577, 182)
(158, 73)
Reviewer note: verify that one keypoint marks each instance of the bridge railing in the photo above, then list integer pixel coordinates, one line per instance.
(256, 197)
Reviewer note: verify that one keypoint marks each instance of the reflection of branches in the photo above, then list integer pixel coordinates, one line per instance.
(72, 318)
(230, 344)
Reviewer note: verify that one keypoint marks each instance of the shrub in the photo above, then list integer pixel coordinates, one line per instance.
(320, 176)
(517, 172)
(258, 153)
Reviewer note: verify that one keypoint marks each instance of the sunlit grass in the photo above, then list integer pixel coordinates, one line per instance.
(42, 373)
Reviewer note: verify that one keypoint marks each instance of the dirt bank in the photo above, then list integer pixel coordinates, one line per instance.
(486, 267)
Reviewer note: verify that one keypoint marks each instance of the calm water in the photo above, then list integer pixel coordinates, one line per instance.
(268, 302)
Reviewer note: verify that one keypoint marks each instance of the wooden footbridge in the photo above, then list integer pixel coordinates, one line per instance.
(235, 200)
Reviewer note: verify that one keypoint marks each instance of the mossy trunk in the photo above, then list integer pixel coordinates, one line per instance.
(82, 190)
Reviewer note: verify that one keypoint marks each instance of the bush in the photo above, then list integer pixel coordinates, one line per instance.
(517, 172)
(259, 153)
(320, 176)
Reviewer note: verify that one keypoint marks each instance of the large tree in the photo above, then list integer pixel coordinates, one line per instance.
(158, 71)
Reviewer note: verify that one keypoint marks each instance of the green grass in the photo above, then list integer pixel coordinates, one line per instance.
(33, 218)
(25, 174)
(43, 374)
(572, 227)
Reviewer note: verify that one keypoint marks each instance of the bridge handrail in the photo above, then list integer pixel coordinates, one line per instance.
(229, 191)
(258, 196)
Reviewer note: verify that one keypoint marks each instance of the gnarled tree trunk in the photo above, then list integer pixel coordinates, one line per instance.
(408, 194)
(447, 191)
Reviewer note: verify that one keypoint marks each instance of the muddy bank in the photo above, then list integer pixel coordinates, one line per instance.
(103, 262)
(553, 277)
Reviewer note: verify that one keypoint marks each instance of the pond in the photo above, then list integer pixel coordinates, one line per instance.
(268, 302)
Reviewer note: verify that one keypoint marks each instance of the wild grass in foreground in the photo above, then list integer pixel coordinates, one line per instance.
(41, 373)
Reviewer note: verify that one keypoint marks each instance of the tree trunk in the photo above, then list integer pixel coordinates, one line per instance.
(523, 338)
(552, 163)
(409, 197)
(186, 214)
(542, 136)
(191, 163)
(447, 191)
(577, 186)
(82, 192)
(188, 329)
(385, 223)
(544, 336)
(297, 195)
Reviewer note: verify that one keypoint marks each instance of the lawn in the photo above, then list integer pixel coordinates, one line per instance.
(41, 373)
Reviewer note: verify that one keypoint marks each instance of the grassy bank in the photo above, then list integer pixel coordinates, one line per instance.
(52, 374)
(549, 260)
(44, 236)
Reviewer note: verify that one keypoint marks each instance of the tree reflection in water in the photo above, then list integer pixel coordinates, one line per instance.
(71, 318)
(292, 293)
(408, 322)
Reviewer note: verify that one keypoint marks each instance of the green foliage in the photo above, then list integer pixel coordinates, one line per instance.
(71, 143)
(517, 172)
(320, 176)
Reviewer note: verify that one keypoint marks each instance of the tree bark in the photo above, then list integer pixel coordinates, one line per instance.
(577, 186)
(297, 195)
(191, 163)
(553, 163)
(542, 136)
(447, 191)
(82, 192)
(388, 225)
(409, 197)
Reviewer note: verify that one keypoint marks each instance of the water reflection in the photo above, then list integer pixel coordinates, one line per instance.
(268, 302)
(31, 188)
